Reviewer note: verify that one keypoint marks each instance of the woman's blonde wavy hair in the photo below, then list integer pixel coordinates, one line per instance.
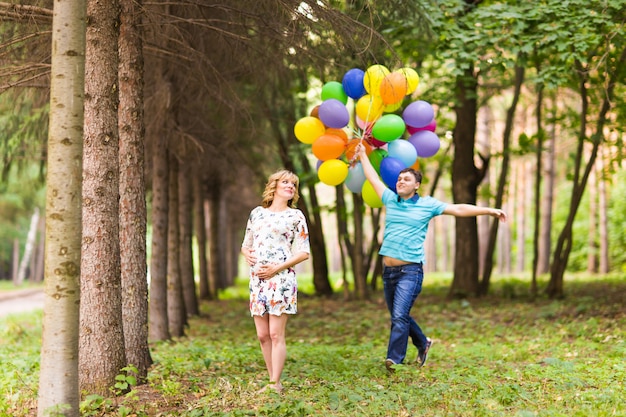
(270, 187)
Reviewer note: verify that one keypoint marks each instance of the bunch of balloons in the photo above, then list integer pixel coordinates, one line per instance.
(394, 137)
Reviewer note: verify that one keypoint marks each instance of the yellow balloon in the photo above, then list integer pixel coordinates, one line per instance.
(412, 79)
(369, 108)
(369, 195)
(308, 129)
(391, 108)
(373, 77)
(333, 172)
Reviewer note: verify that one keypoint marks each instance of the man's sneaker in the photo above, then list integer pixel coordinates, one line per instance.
(422, 356)
(389, 365)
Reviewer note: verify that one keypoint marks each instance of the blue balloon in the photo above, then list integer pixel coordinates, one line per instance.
(403, 150)
(353, 83)
(390, 168)
(355, 179)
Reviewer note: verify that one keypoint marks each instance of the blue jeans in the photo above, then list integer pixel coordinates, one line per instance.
(402, 285)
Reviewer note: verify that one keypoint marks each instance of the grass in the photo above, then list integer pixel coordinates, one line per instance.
(497, 356)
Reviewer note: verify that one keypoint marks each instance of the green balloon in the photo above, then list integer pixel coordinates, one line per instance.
(334, 89)
(389, 127)
(376, 157)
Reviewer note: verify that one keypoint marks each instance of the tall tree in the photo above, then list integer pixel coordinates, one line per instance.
(504, 170)
(157, 308)
(102, 353)
(539, 155)
(133, 216)
(604, 266)
(58, 375)
(199, 222)
(176, 314)
(185, 216)
(544, 243)
(602, 43)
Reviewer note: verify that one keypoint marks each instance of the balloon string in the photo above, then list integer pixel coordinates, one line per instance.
(367, 131)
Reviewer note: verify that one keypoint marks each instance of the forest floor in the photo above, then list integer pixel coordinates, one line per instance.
(501, 355)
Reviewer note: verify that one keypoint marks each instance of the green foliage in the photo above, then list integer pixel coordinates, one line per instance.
(491, 357)
(126, 380)
(23, 131)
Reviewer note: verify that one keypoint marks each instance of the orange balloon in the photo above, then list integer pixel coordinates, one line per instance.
(315, 111)
(393, 87)
(337, 132)
(416, 165)
(328, 147)
(352, 144)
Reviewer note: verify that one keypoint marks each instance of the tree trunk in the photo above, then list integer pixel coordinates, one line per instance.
(360, 263)
(176, 314)
(465, 180)
(592, 253)
(133, 216)
(31, 241)
(502, 181)
(545, 235)
(214, 240)
(102, 353)
(15, 261)
(504, 254)
(564, 243)
(158, 328)
(343, 238)
(318, 245)
(521, 214)
(39, 257)
(537, 188)
(185, 216)
(201, 236)
(58, 368)
(603, 221)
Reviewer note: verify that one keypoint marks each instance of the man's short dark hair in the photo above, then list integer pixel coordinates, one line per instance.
(416, 174)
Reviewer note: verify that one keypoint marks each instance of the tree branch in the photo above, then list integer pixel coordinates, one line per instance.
(20, 12)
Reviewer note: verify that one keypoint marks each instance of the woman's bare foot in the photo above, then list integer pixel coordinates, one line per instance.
(275, 386)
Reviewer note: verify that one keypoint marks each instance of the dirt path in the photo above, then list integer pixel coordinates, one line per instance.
(20, 301)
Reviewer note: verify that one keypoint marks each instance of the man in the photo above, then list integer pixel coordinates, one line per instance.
(406, 223)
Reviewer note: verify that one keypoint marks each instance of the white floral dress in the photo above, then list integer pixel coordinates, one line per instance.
(275, 237)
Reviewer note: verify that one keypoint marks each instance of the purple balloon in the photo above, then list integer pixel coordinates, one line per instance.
(333, 113)
(353, 83)
(426, 143)
(418, 114)
(390, 168)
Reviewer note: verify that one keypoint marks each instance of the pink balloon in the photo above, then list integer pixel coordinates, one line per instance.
(432, 126)
(377, 143)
